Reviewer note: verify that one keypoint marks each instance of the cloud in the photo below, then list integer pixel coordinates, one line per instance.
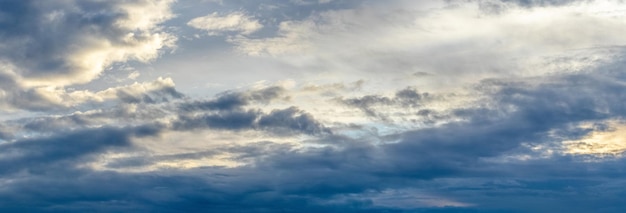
(160, 90)
(160, 102)
(408, 97)
(292, 37)
(5, 133)
(53, 98)
(385, 42)
(69, 42)
(44, 154)
(48, 46)
(228, 111)
(605, 140)
(541, 2)
(504, 138)
(238, 22)
(497, 135)
(284, 121)
(292, 119)
(457, 163)
(476, 147)
(133, 104)
(232, 100)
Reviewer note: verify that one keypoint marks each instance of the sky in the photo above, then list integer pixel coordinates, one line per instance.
(430, 106)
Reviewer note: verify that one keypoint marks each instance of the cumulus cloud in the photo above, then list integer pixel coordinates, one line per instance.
(63, 43)
(48, 46)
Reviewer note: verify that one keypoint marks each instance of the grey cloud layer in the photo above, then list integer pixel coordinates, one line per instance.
(503, 152)
(314, 179)
(66, 149)
(138, 104)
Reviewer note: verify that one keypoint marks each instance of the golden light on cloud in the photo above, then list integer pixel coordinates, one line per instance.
(601, 143)
(222, 160)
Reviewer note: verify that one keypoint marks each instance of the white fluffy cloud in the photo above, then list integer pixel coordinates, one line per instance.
(214, 24)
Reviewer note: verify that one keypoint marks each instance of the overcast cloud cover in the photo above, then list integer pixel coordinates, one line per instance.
(312, 106)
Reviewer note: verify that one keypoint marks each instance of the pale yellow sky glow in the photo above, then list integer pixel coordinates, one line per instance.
(601, 143)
